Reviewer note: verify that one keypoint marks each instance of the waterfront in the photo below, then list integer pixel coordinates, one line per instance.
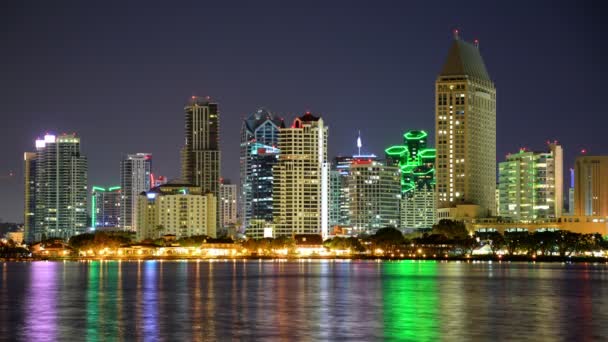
(302, 300)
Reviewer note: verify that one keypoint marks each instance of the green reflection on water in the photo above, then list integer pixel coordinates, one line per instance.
(92, 300)
(410, 298)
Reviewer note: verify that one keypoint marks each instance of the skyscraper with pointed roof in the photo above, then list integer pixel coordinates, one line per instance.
(259, 153)
(465, 134)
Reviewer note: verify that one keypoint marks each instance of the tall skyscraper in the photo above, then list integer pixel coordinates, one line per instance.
(201, 152)
(301, 178)
(61, 188)
(135, 178)
(417, 164)
(591, 186)
(465, 118)
(530, 184)
(29, 168)
(259, 153)
(105, 207)
(228, 210)
(375, 193)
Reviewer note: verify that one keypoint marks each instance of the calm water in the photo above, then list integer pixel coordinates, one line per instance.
(318, 300)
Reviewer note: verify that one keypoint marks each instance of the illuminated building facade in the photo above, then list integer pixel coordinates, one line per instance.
(591, 186)
(416, 163)
(29, 186)
(177, 209)
(335, 198)
(258, 155)
(228, 210)
(530, 185)
(375, 193)
(465, 134)
(105, 207)
(301, 179)
(135, 178)
(61, 188)
(201, 151)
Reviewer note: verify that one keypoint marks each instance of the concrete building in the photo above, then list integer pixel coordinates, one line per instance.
(61, 189)
(591, 186)
(135, 178)
(176, 209)
(335, 198)
(29, 186)
(258, 155)
(418, 209)
(465, 130)
(106, 207)
(228, 210)
(301, 179)
(201, 152)
(375, 194)
(530, 184)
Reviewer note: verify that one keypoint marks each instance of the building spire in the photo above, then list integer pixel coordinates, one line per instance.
(456, 34)
(359, 144)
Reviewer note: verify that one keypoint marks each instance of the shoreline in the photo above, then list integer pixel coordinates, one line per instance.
(508, 259)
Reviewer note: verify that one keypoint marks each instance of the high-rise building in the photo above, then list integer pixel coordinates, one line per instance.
(228, 210)
(417, 165)
(201, 152)
(375, 193)
(259, 153)
(29, 220)
(105, 207)
(135, 178)
(335, 197)
(530, 184)
(301, 178)
(176, 209)
(465, 134)
(61, 188)
(591, 186)
(571, 193)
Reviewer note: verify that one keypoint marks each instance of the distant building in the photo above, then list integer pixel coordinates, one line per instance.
(571, 193)
(105, 207)
(591, 186)
(530, 184)
(29, 172)
(416, 163)
(465, 131)
(135, 178)
(177, 209)
(228, 210)
(335, 197)
(60, 189)
(375, 193)
(201, 152)
(258, 155)
(301, 179)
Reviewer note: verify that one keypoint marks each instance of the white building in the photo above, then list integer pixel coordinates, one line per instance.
(135, 178)
(176, 209)
(418, 209)
(301, 179)
(228, 209)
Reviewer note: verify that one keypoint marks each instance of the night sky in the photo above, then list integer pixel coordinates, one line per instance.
(118, 74)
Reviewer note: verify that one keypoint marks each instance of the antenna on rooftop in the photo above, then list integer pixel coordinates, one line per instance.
(359, 144)
(456, 34)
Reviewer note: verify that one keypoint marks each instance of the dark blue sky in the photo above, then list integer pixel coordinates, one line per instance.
(119, 73)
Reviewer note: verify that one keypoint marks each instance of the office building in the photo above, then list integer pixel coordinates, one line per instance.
(61, 188)
(176, 209)
(416, 163)
(258, 155)
(29, 186)
(135, 178)
(530, 185)
(465, 131)
(228, 210)
(375, 194)
(301, 178)
(201, 152)
(105, 207)
(591, 186)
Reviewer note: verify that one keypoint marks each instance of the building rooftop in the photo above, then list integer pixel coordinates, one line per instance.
(464, 59)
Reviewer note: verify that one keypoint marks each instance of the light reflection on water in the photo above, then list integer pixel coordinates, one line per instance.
(318, 300)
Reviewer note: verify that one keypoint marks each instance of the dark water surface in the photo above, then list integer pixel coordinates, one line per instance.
(307, 300)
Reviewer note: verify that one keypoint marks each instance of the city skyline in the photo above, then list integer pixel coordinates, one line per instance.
(376, 88)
